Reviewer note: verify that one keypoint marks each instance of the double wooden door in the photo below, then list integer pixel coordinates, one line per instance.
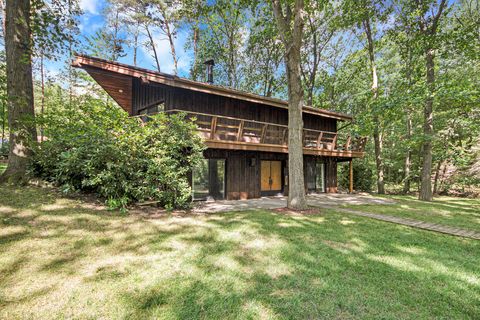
(271, 176)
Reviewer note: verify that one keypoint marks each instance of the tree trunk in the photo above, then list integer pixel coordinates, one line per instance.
(135, 44)
(42, 102)
(172, 47)
(377, 134)
(116, 42)
(408, 155)
(3, 124)
(296, 193)
(21, 116)
(154, 49)
(408, 111)
(378, 141)
(426, 179)
(292, 39)
(195, 53)
(311, 80)
(4, 110)
(444, 171)
(437, 174)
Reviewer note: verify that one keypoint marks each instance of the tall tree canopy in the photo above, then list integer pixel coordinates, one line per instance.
(407, 71)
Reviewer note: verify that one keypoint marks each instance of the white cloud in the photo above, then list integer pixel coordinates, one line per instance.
(89, 6)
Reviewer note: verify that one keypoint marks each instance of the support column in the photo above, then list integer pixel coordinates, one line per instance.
(351, 176)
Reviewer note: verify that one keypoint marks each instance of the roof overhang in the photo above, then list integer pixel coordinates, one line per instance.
(92, 65)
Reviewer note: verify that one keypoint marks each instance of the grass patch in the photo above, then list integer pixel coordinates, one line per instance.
(61, 258)
(3, 166)
(449, 211)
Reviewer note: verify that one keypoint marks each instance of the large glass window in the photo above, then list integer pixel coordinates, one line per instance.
(311, 175)
(315, 176)
(208, 179)
(151, 111)
(320, 177)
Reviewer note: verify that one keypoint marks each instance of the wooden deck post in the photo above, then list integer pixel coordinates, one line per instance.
(240, 131)
(350, 177)
(264, 133)
(347, 144)
(319, 139)
(213, 128)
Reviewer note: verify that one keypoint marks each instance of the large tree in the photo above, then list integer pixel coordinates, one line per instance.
(429, 14)
(290, 21)
(367, 15)
(319, 30)
(21, 117)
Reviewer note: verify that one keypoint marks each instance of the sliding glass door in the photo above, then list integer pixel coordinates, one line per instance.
(320, 177)
(208, 179)
(315, 176)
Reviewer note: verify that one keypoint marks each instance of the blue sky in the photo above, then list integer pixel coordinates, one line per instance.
(93, 19)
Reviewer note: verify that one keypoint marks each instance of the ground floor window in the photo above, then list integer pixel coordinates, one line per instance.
(320, 177)
(315, 176)
(208, 179)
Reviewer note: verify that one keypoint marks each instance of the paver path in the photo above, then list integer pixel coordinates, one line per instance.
(316, 200)
(332, 201)
(415, 223)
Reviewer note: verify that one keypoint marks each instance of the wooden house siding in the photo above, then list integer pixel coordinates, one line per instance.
(146, 95)
(118, 86)
(239, 127)
(243, 178)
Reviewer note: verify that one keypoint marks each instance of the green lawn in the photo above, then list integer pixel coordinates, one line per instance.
(456, 212)
(62, 258)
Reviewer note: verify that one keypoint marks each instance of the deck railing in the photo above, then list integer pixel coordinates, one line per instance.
(230, 129)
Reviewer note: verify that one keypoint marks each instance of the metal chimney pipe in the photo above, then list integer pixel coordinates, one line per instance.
(209, 63)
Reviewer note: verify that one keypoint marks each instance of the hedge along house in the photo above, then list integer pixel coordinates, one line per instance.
(246, 134)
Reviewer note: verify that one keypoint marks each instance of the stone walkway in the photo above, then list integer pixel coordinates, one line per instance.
(333, 201)
(415, 223)
(315, 200)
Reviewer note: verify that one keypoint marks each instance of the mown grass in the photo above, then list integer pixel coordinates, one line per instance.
(450, 211)
(62, 258)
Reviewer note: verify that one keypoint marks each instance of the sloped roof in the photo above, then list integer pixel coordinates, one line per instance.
(91, 64)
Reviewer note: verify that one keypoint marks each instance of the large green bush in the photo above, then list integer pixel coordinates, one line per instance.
(97, 148)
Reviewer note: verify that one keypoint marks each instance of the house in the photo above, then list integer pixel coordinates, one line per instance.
(245, 134)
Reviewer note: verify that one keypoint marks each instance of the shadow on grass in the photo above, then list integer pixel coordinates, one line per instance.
(321, 268)
(460, 213)
(253, 264)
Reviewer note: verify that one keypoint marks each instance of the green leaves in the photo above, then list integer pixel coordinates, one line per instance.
(54, 27)
(103, 151)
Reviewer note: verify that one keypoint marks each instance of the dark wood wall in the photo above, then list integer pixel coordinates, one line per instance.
(146, 95)
(331, 175)
(242, 172)
(243, 177)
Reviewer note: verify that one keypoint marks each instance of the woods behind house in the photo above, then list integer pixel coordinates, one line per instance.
(408, 72)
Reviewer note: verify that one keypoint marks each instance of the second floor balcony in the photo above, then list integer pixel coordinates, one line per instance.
(222, 132)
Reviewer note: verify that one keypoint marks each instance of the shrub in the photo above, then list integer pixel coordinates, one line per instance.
(97, 148)
(363, 179)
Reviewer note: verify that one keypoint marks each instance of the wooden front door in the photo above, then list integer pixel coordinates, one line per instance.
(271, 176)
